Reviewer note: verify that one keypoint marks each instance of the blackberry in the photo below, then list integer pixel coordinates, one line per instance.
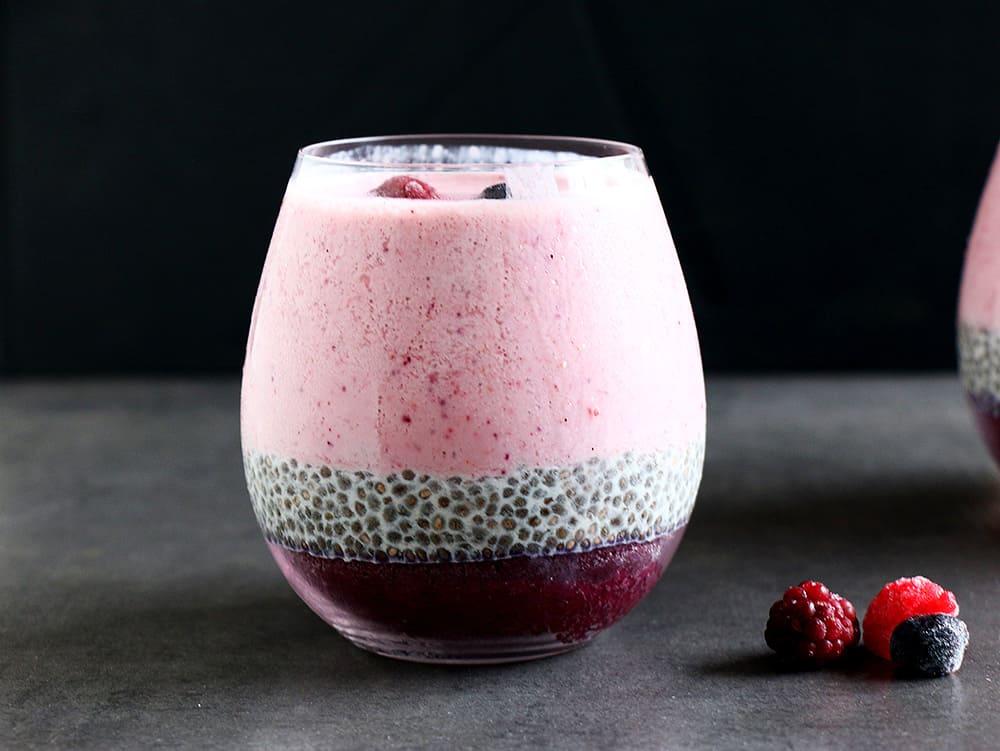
(811, 625)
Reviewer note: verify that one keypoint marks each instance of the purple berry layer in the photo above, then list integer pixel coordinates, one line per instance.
(510, 608)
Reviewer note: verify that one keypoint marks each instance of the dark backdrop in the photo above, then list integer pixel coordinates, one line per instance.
(819, 162)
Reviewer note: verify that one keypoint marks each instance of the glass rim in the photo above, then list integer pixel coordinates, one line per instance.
(566, 151)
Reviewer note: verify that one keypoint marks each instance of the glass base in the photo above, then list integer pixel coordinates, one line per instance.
(454, 652)
(478, 612)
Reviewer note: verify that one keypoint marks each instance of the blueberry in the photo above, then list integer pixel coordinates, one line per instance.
(496, 191)
(929, 645)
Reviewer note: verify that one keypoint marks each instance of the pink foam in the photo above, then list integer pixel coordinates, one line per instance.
(471, 336)
(979, 299)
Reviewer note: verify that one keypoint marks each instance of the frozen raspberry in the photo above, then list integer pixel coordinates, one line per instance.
(811, 625)
(929, 645)
(500, 191)
(898, 601)
(405, 186)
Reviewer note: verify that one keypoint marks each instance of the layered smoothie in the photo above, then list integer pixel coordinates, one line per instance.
(979, 315)
(473, 429)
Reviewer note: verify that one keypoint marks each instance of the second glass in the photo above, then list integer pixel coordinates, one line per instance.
(473, 410)
(979, 315)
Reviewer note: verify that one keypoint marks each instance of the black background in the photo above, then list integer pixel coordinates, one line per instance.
(819, 162)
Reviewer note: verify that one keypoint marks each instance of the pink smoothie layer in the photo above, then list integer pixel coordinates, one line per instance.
(470, 336)
(979, 301)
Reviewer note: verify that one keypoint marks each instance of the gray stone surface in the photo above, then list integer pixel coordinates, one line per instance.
(139, 607)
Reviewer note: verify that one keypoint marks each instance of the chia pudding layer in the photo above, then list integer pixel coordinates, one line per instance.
(979, 369)
(408, 516)
(979, 364)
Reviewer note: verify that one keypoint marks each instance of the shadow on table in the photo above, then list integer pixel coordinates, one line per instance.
(127, 649)
(859, 664)
(875, 509)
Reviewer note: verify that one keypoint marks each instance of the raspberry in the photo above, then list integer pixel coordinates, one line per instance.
(898, 601)
(405, 186)
(929, 645)
(812, 625)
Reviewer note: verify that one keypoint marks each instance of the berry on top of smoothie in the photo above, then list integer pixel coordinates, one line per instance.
(405, 186)
(497, 191)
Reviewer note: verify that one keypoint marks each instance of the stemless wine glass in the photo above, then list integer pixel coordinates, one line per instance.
(473, 410)
(979, 315)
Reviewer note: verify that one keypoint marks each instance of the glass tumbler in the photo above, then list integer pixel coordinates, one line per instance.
(979, 316)
(473, 410)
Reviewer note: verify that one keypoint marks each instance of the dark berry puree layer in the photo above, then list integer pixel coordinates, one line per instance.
(508, 608)
(986, 410)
